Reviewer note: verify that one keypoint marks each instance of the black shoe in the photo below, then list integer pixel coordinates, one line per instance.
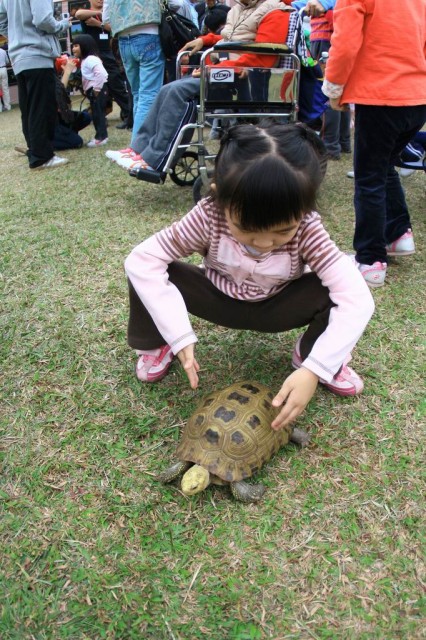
(122, 125)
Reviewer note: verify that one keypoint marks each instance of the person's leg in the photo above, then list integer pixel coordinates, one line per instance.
(40, 113)
(164, 120)
(151, 75)
(66, 138)
(23, 105)
(303, 302)
(380, 135)
(143, 60)
(331, 132)
(116, 83)
(4, 84)
(345, 131)
(98, 104)
(397, 215)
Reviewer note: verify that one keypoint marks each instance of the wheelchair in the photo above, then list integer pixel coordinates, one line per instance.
(231, 96)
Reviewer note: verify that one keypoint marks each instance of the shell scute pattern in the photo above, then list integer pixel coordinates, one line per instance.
(230, 434)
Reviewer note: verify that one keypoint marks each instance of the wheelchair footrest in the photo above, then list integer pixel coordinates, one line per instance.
(148, 175)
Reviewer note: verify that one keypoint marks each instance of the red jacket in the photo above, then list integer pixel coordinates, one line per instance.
(378, 52)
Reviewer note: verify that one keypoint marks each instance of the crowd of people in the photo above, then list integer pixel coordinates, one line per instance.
(258, 231)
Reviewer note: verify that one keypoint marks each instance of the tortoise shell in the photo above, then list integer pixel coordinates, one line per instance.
(230, 432)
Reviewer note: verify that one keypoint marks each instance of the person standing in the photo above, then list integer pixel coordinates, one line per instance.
(33, 47)
(136, 23)
(388, 88)
(4, 83)
(92, 25)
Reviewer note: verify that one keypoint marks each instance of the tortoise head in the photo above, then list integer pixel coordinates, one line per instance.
(196, 479)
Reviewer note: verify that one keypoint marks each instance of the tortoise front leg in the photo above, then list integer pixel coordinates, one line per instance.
(300, 437)
(247, 492)
(173, 472)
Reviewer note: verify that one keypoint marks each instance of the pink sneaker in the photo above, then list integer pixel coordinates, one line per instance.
(403, 246)
(345, 383)
(373, 274)
(152, 365)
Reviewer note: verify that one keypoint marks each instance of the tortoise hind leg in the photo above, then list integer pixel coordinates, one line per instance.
(300, 437)
(173, 472)
(247, 492)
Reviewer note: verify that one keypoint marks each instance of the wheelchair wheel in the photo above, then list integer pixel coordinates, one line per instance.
(199, 189)
(185, 172)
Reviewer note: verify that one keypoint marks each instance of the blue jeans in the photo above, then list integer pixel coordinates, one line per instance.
(381, 213)
(143, 60)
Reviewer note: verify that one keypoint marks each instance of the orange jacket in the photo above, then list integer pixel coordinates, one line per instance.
(378, 51)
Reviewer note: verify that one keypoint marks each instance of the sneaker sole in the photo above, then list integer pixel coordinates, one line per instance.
(401, 253)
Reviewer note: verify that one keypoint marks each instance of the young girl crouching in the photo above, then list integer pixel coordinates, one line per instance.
(257, 234)
(94, 77)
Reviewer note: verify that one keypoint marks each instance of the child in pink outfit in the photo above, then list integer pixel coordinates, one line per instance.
(257, 234)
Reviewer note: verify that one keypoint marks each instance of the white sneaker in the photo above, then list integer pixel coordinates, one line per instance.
(55, 161)
(96, 143)
(122, 153)
(351, 174)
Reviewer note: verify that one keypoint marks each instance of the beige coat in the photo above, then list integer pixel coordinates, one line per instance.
(243, 21)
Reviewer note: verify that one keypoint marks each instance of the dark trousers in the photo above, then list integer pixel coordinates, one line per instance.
(37, 102)
(116, 83)
(381, 212)
(97, 105)
(66, 136)
(303, 302)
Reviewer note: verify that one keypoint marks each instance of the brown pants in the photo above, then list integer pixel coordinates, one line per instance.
(303, 302)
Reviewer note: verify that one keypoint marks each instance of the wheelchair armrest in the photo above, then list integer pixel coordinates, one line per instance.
(253, 47)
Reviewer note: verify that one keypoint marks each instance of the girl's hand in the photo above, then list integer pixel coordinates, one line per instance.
(296, 392)
(190, 365)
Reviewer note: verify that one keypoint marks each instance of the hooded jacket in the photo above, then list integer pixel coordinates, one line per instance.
(31, 31)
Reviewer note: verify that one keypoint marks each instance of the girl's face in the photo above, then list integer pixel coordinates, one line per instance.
(76, 51)
(263, 241)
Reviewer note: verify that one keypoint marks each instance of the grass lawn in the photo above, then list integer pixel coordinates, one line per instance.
(92, 546)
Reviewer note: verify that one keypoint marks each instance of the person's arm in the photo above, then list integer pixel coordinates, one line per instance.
(346, 41)
(3, 19)
(314, 8)
(84, 14)
(42, 12)
(68, 68)
(105, 13)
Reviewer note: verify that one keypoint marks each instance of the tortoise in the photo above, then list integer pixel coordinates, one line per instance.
(227, 439)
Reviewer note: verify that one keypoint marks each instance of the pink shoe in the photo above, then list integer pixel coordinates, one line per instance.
(345, 383)
(374, 274)
(152, 365)
(403, 246)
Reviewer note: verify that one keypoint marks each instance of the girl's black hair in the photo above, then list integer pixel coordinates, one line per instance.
(269, 174)
(88, 46)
